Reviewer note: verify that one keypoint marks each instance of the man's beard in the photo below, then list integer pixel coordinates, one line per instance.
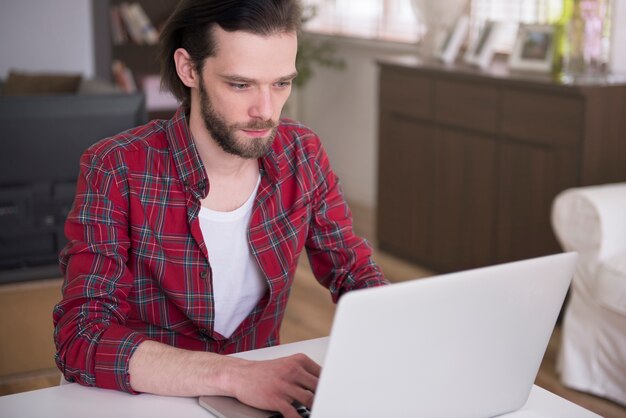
(225, 135)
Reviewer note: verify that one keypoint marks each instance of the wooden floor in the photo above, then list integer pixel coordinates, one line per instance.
(310, 313)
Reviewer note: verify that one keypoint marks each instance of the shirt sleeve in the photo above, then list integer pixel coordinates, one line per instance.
(340, 259)
(93, 347)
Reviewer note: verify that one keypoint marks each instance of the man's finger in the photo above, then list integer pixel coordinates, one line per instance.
(303, 396)
(308, 381)
(312, 367)
(287, 410)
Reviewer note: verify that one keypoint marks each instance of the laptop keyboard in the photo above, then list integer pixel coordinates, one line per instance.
(302, 410)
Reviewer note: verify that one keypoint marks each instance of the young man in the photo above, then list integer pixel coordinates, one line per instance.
(185, 234)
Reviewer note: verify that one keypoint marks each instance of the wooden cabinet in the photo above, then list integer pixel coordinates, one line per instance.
(470, 161)
(27, 349)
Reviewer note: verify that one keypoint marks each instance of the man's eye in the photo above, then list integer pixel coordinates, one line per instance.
(283, 84)
(239, 86)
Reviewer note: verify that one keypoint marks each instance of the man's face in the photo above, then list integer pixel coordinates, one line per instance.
(243, 88)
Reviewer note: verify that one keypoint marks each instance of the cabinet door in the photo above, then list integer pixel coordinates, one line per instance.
(405, 194)
(464, 207)
(436, 194)
(530, 176)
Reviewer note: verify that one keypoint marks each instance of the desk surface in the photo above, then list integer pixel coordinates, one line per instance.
(73, 400)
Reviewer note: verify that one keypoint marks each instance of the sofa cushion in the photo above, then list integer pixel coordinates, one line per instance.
(97, 86)
(19, 84)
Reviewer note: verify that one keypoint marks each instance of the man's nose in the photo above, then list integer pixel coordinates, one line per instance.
(263, 107)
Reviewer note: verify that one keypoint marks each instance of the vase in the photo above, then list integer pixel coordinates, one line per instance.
(438, 18)
(586, 53)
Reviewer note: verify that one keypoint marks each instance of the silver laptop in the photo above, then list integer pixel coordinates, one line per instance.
(466, 344)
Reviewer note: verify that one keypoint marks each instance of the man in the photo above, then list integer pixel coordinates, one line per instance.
(185, 234)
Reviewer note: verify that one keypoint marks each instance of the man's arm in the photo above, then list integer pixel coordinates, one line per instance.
(93, 345)
(95, 348)
(340, 260)
(273, 384)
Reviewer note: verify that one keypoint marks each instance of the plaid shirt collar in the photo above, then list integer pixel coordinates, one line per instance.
(189, 165)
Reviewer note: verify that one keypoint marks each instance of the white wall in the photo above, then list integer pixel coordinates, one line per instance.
(342, 108)
(46, 35)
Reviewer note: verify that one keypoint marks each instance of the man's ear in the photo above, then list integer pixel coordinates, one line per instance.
(185, 68)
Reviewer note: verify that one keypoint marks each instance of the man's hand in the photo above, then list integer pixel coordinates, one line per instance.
(271, 384)
(275, 384)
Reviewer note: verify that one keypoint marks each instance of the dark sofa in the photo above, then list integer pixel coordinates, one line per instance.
(42, 138)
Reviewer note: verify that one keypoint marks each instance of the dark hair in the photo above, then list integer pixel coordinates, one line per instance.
(190, 27)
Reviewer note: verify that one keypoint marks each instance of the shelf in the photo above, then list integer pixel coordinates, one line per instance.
(141, 60)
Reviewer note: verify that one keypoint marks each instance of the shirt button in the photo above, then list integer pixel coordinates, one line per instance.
(186, 183)
(203, 274)
(200, 185)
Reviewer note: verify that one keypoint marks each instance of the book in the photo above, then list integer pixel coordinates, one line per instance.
(132, 26)
(119, 35)
(139, 27)
(123, 77)
(148, 33)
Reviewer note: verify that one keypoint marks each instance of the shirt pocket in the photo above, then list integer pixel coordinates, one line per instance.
(277, 242)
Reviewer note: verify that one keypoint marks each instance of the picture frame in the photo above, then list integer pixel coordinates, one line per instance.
(481, 52)
(534, 48)
(451, 45)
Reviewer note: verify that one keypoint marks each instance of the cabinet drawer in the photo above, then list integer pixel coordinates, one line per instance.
(465, 105)
(406, 93)
(543, 118)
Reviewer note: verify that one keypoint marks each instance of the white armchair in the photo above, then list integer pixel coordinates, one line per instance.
(592, 221)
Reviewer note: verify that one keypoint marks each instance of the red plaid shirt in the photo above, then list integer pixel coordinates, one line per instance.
(136, 266)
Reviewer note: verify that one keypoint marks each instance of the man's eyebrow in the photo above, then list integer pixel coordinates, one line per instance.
(236, 78)
(289, 77)
(241, 79)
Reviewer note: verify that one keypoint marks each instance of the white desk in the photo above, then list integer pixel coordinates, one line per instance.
(75, 401)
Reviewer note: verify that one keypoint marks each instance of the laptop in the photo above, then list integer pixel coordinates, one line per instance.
(465, 344)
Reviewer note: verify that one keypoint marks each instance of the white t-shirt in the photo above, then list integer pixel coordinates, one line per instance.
(238, 283)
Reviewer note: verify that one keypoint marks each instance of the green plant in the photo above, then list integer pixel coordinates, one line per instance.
(313, 53)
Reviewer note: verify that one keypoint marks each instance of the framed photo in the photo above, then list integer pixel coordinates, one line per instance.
(534, 48)
(481, 53)
(450, 47)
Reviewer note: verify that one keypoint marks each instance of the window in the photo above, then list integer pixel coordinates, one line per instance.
(395, 19)
(371, 19)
